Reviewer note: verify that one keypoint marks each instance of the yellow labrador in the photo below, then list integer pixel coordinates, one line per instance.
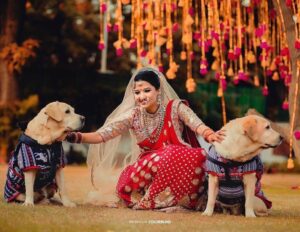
(245, 138)
(41, 166)
(52, 122)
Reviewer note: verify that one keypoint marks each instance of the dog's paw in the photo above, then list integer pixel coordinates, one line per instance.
(250, 214)
(207, 212)
(28, 203)
(68, 203)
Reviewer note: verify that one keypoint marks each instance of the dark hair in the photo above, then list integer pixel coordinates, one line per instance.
(149, 76)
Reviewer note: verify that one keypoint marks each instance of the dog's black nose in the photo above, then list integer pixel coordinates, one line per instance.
(280, 137)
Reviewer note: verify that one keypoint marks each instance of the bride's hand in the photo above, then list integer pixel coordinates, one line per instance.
(217, 136)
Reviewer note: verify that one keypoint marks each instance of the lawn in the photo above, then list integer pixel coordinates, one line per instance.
(285, 215)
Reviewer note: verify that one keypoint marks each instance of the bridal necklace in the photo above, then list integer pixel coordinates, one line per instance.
(153, 137)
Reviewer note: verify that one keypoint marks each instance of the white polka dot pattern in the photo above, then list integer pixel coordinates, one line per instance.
(166, 177)
(169, 173)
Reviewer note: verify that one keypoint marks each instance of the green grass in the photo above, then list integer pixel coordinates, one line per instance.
(285, 215)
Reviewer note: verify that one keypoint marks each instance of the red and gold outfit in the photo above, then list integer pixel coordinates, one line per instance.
(170, 169)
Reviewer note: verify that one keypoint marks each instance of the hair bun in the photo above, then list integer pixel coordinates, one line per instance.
(150, 76)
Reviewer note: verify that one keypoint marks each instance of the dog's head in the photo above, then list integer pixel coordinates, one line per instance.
(64, 115)
(259, 131)
(53, 121)
(246, 137)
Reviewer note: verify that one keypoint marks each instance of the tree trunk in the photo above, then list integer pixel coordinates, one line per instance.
(289, 25)
(11, 17)
(11, 14)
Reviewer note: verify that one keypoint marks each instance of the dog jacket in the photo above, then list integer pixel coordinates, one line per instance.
(230, 174)
(30, 155)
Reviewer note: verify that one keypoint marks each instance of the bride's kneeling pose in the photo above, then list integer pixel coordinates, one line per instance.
(151, 138)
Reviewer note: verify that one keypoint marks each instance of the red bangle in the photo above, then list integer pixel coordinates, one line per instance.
(74, 137)
(79, 137)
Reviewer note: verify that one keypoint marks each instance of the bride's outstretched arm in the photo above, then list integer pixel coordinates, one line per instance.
(92, 137)
(105, 133)
(190, 119)
(78, 137)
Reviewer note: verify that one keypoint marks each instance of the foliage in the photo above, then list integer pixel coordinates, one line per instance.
(71, 35)
(16, 56)
(10, 116)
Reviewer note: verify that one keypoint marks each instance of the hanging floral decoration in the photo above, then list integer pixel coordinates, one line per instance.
(242, 35)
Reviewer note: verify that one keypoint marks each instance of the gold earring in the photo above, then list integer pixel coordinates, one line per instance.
(159, 99)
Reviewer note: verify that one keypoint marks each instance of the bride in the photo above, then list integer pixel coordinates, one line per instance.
(147, 149)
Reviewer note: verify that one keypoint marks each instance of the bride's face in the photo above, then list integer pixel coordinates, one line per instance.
(146, 95)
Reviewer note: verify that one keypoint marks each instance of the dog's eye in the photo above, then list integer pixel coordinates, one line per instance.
(67, 111)
(268, 127)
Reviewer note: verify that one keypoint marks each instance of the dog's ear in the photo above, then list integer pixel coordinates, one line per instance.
(53, 111)
(250, 128)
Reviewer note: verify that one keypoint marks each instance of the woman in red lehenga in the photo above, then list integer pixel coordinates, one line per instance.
(166, 168)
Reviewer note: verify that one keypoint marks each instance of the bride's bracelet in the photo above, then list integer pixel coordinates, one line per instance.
(74, 137)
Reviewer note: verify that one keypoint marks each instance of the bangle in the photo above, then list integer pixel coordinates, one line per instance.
(79, 137)
(74, 137)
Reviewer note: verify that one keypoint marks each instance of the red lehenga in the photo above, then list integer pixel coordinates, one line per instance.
(169, 173)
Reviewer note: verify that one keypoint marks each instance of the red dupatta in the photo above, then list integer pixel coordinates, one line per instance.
(168, 135)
